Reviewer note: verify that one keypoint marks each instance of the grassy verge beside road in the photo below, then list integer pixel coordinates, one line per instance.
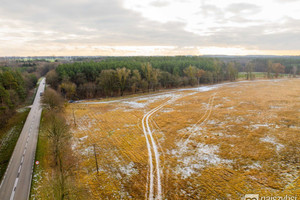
(41, 156)
(54, 177)
(8, 138)
(9, 134)
(31, 98)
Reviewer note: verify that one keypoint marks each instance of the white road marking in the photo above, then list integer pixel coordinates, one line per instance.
(20, 167)
(14, 189)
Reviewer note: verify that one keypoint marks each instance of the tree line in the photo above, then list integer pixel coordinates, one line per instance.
(120, 75)
(291, 64)
(17, 81)
(61, 162)
(273, 70)
(14, 87)
(262, 64)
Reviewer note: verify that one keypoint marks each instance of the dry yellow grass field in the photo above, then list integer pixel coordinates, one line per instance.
(215, 142)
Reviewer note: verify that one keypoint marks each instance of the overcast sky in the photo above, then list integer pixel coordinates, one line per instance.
(149, 27)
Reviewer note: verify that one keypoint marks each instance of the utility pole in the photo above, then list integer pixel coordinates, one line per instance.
(94, 145)
(74, 116)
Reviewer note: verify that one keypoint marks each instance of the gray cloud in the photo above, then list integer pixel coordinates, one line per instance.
(111, 24)
(209, 10)
(281, 37)
(287, 1)
(243, 8)
(159, 3)
(99, 23)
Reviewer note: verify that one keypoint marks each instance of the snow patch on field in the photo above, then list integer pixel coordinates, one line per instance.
(129, 169)
(239, 120)
(129, 125)
(87, 151)
(83, 138)
(85, 123)
(257, 126)
(273, 141)
(255, 165)
(226, 99)
(230, 108)
(134, 104)
(275, 107)
(206, 105)
(218, 105)
(166, 110)
(211, 122)
(146, 100)
(192, 160)
(294, 127)
(205, 88)
(192, 129)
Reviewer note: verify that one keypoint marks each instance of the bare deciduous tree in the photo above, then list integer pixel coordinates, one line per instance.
(52, 100)
(59, 138)
(122, 75)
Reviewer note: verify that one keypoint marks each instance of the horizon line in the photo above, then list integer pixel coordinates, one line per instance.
(212, 55)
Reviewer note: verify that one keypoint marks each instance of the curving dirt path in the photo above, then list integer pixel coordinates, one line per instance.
(153, 149)
(151, 145)
(203, 119)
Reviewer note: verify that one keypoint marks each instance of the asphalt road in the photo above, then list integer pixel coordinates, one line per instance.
(16, 182)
